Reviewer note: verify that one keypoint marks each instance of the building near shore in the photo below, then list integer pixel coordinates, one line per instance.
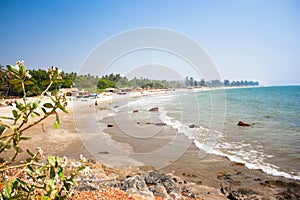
(74, 92)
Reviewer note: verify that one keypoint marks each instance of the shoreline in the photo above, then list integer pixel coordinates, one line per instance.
(214, 176)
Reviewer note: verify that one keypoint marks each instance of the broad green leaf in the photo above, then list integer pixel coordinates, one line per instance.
(15, 81)
(32, 105)
(48, 105)
(52, 173)
(15, 114)
(2, 128)
(7, 189)
(13, 69)
(19, 105)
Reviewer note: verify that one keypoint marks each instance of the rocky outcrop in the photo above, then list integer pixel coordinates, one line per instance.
(155, 109)
(194, 126)
(147, 185)
(243, 124)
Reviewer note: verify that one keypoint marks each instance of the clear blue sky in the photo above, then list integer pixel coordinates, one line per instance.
(254, 40)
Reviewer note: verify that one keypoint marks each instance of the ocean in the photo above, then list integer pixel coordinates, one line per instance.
(209, 119)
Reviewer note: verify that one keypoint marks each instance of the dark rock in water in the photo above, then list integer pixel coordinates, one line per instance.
(155, 109)
(110, 125)
(237, 164)
(135, 111)
(243, 124)
(160, 124)
(194, 126)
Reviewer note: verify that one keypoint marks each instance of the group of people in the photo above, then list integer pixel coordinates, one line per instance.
(6, 103)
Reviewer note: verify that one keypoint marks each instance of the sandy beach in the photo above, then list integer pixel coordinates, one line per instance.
(211, 177)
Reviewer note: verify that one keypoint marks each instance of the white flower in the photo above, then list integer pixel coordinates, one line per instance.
(27, 75)
(82, 158)
(75, 164)
(87, 171)
(64, 161)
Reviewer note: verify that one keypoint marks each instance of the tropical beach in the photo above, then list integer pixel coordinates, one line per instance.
(207, 177)
(149, 100)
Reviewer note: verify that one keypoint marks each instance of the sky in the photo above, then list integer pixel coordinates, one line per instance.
(246, 40)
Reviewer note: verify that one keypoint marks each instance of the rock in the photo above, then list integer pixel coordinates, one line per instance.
(110, 125)
(235, 193)
(159, 190)
(135, 111)
(137, 194)
(155, 109)
(186, 192)
(152, 177)
(238, 164)
(160, 124)
(136, 182)
(194, 126)
(243, 124)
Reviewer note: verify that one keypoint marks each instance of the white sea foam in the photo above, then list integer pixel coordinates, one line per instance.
(253, 159)
(213, 142)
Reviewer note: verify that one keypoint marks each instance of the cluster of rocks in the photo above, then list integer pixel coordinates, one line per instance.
(234, 189)
(147, 185)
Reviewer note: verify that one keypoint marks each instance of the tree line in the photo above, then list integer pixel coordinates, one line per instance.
(191, 82)
(40, 80)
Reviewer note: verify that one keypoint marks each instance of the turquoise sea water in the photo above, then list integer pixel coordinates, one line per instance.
(271, 144)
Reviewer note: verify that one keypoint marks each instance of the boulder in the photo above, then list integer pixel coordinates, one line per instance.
(155, 109)
(135, 111)
(160, 124)
(194, 126)
(110, 125)
(243, 124)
